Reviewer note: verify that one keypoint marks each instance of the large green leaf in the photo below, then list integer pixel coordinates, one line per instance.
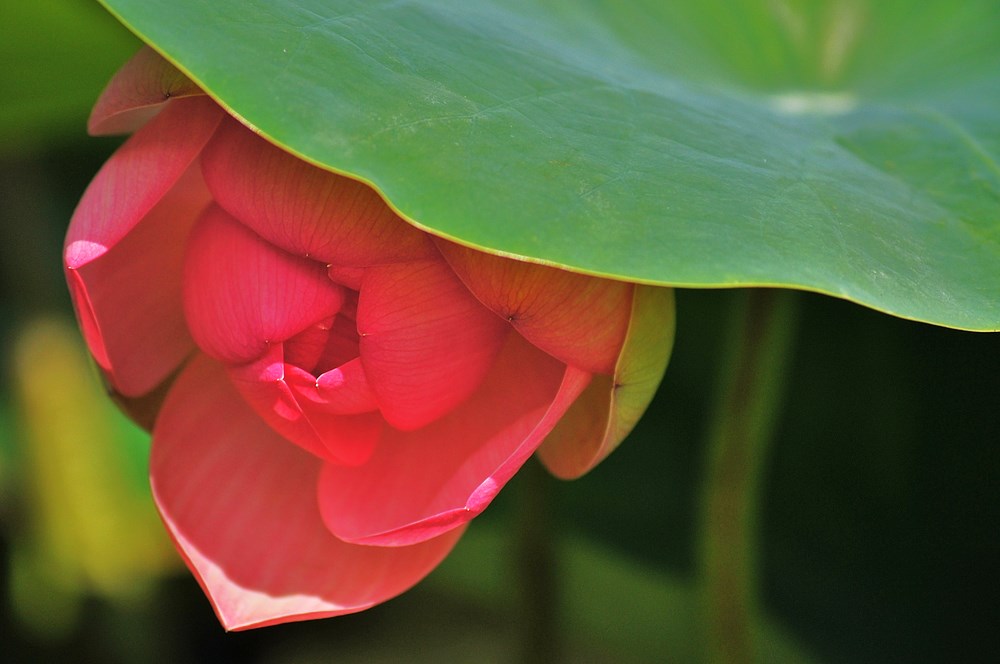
(848, 147)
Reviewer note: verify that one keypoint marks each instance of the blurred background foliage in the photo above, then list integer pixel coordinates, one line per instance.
(878, 532)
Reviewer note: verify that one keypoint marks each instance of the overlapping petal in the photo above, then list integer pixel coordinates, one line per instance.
(345, 390)
(290, 400)
(304, 209)
(124, 249)
(128, 300)
(137, 176)
(422, 483)
(242, 293)
(137, 92)
(426, 343)
(577, 318)
(416, 375)
(240, 504)
(610, 406)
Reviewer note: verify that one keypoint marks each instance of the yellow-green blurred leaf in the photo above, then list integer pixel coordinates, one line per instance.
(90, 525)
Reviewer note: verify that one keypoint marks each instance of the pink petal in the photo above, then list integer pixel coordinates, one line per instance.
(610, 406)
(242, 293)
(577, 318)
(137, 92)
(426, 343)
(304, 209)
(307, 347)
(347, 276)
(317, 349)
(422, 483)
(137, 176)
(128, 299)
(346, 389)
(123, 248)
(288, 399)
(240, 504)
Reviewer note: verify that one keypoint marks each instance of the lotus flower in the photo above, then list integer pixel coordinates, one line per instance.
(333, 393)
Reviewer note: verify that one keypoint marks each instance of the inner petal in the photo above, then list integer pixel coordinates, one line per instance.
(426, 342)
(305, 348)
(243, 294)
(288, 399)
(326, 345)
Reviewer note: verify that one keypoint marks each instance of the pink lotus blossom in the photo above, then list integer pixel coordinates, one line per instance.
(333, 393)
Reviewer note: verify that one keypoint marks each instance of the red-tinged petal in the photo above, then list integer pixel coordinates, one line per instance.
(577, 318)
(304, 209)
(278, 393)
(426, 343)
(606, 412)
(241, 293)
(240, 504)
(137, 176)
(345, 390)
(307, 347)
(422, 483)
(347, 276)
(137, 92)
(128, 299)
(336, 345)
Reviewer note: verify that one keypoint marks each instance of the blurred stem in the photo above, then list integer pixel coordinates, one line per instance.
(536, 566)
(742, 422)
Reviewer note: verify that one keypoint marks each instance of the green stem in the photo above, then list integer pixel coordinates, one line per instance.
(536, 562)
(740, 433)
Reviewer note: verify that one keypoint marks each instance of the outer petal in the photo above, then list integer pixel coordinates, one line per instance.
(137, 92)
(128, 299)
(577, 318)
(422, 483)
(242, 293)
(137, 176)
(240, 505)
(304, 209)
(426, 343)
(606, 412)
(289, 400)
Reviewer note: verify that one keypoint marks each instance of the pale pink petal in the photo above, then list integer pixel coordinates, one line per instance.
(240, 504)
(608, 409)
(304, 209)
(242, 293)
(137, 92)
(426, 343)
(128, 299)
(422, 483)
(137, 176)
(577, 318)
(278, 393)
